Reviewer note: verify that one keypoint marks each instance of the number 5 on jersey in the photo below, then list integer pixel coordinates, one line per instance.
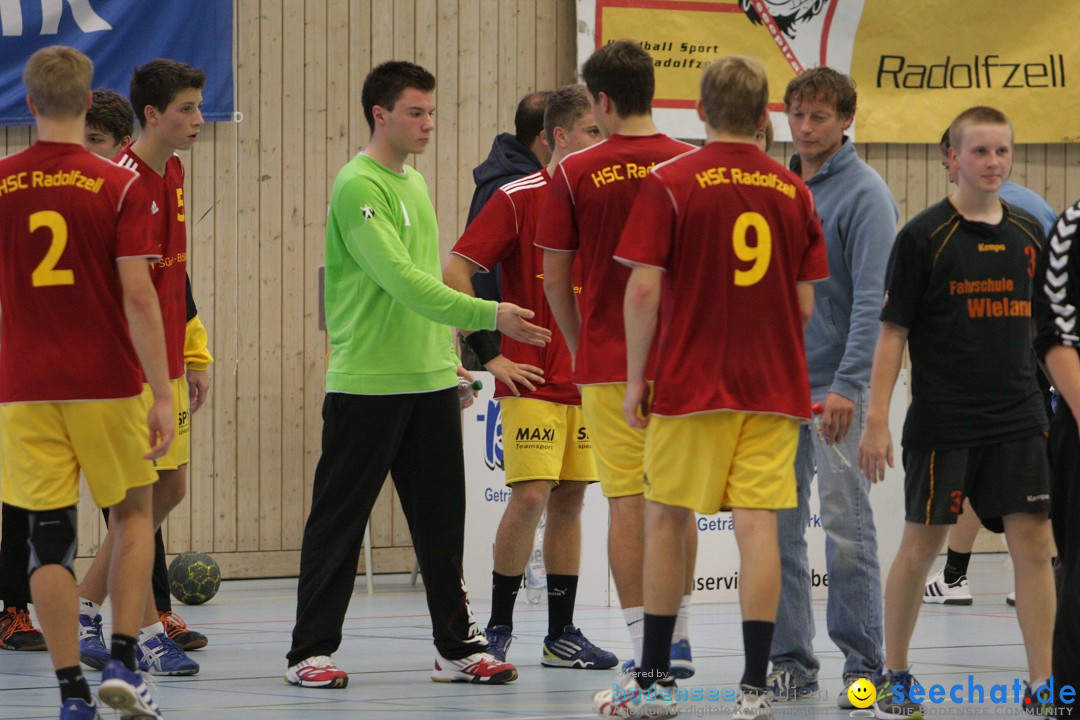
(46, 274)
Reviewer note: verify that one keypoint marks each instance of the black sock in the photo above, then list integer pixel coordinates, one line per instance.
(561, 593)
(504, 590)
(757, 642)
(656, 648)
(73, 685)
(956, 566)
(123, 649)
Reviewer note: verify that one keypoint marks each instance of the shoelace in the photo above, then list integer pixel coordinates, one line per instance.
(173, 623)
(20, 622)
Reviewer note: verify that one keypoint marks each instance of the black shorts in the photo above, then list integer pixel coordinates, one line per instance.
(999, 479)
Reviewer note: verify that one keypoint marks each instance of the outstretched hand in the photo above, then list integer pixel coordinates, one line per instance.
(512, 321)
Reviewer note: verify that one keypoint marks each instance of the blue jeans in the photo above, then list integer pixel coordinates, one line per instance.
(854, 610)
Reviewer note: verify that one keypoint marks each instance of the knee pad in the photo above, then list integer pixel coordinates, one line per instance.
(53, 539)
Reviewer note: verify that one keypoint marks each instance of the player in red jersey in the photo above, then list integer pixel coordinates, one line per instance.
(167, 96)
(551, 473)
(724, 243)
(589, 199)
(78, 299)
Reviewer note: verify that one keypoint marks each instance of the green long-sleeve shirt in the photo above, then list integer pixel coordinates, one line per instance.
(388, 312)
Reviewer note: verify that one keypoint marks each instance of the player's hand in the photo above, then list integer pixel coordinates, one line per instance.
(875, 451)
(162, 422)
(836, 414)
(513, 374)
(636, 403)
(198, 385)
(512, 321)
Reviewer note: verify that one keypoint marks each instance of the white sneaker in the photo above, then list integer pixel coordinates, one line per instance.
(1010, 599)
(317, 671)
(626, 699)
(753, 704)
(476, 668)
(937, 592)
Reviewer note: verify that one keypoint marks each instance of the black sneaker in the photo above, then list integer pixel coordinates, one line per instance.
(1039, 701)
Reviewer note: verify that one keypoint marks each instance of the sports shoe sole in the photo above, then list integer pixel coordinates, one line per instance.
(91, 662)
(338, 682)
(558, 662)
(447, 676)
(682, 669)
(195, 644)
(31, 647)
(121, 696)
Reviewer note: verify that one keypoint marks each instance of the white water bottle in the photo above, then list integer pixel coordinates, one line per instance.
(535, 573)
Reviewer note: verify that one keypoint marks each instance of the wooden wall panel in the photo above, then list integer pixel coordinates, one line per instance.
(258, 193)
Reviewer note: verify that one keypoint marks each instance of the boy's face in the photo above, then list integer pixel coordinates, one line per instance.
(102, 143)
(584, 133)
(984, 157)
(409, 125)
(180, 123)
(817, 129)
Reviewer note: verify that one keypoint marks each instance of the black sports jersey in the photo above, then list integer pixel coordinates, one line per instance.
(963, 289)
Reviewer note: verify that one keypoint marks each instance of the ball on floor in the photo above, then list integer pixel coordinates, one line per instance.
(194, 578)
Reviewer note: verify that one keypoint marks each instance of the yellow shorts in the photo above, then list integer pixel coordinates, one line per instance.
(619, 449)
(545, 441)
(179, 452)
(45, 444)
(722, 460)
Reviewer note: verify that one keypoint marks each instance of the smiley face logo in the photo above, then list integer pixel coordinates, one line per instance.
(862, 693)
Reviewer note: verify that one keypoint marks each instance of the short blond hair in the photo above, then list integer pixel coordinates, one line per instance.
(978, 115)
(58, 80)
(735, 94)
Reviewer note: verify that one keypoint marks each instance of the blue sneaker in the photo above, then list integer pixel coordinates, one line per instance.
(160, 655)
(1039, 701)
(92, 650)
(499, 638)
(79, 709)
(573, 650)
(127, 692)
(784, 686)
(682, 662)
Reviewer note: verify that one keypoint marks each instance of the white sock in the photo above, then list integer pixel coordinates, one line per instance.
(682, 621)
(635, 623)
(89, 608)
(151, 630)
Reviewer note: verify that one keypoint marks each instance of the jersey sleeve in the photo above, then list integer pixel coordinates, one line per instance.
(646, 238)
(371, 237)
(492, 235)
(557, 229)
(815, 262)
(133, 235)
(1057, 286)
(906, 280)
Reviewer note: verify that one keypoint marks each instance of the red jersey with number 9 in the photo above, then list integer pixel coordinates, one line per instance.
(167, 224)
(734, 232)
(66, 216)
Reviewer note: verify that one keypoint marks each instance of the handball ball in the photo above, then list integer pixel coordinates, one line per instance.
(194, 577)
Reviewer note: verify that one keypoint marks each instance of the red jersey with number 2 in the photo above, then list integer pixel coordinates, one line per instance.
(66, 216)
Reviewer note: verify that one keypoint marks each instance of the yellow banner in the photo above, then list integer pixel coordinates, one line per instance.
(916, 64)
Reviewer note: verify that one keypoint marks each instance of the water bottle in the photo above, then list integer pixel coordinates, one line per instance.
(535, 573)
(467, 389)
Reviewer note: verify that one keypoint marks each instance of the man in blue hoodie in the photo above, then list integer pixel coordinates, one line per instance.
(859, 216)
(511, 157)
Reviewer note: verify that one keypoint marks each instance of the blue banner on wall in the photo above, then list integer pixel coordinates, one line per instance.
(118, 35)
